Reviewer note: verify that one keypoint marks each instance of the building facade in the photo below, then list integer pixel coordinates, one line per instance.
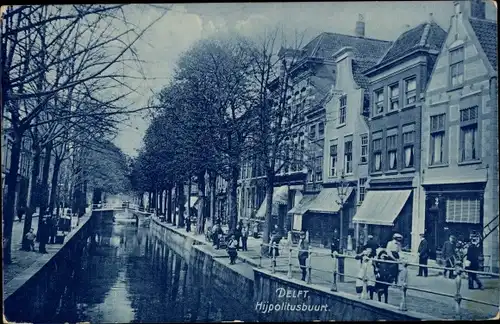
(396, 85)
(459, 135)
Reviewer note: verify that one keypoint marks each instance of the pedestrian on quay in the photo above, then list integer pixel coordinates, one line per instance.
(30, 237)
(472, 262)
(20, 214)
(423, 256)
(232, 249)
(256, 230)
(237, 233)
(275, 240)
(50, 229)
(303, 254)
(449, 256)
(372, 245)
(367, 270)
(43, 233)
(393, 250)
(335, 246)
(244, 238)
(216, 232)
(383, 276)
(188, 222)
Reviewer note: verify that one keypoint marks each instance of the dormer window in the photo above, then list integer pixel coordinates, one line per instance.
(457, 67)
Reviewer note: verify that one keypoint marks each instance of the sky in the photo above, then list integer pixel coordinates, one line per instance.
(187, 23)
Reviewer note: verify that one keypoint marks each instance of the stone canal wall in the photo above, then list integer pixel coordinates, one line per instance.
(243, 281)
(35, 294)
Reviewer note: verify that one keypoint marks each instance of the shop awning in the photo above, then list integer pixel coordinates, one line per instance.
(303, 205)
(381, 207)
(280, 197)
(327, 201)
(192, 202)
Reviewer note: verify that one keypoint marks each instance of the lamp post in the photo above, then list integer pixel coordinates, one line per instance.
(342, 190)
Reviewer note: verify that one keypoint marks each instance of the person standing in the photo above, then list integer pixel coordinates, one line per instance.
(335, 246)
(303, 254)
(372, 245)
(244, 238)
(275, 240)
(449, 256)
(20, 214)
(30, 237)
(473, 252)
(237, 233)
(43, 236)
(423, 256)
(217, 230)
(231, 249)
(393, 249)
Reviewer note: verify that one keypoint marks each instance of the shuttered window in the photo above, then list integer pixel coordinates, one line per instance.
(463, 210)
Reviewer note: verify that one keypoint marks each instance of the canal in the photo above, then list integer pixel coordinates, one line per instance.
(131, 276)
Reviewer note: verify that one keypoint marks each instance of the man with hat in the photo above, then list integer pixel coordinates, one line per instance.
(393, 249)
(472, 262)
(303, 254)
(423, 256)
(372, 245)
(449, 255)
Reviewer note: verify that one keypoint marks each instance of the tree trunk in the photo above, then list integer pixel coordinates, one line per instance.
(8, 203)
(44, 185)
(35, 170)
(176, 200)
(181, 200)
(161, 201)
(269, 208)
(212, 180)
(201, 202)
(233, 197)
(169, 205)
(189, 201)
(54, 188)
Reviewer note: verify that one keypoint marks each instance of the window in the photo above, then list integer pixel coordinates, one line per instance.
(408, 145)
(310, 175)
(463, 210)
(379, 101)
(362, 190)
(410, 91)
(437, 139)
(342, 109)
(319, 168)
(392, 151)
(377, 153)
(468, 135)
(364, 148)
(312, 131)
(394, 99)
(457, 67)
(321, 129)
(333, 158)
(348, 156)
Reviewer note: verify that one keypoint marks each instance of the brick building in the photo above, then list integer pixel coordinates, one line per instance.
(459, 135)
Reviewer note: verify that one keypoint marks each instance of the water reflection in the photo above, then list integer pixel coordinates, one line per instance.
(131, 276)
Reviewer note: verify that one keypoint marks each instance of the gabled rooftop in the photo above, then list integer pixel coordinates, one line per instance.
(486, 33)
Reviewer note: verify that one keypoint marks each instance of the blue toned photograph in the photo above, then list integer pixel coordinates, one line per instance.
(250, 162)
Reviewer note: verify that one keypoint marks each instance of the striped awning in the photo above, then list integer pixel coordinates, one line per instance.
(192, 202)
(381, 207)
(280, 197)
(327, 201)
(303, 205)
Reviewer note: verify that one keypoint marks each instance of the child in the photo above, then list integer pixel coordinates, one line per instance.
(231, 249)
(30, 237)
(244, 238)
(363, 270)
(384, 275)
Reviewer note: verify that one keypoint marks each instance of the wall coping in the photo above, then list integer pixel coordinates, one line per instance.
(18, 281)
(351, 298)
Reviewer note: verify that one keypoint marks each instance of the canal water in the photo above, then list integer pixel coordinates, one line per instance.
(131, 276)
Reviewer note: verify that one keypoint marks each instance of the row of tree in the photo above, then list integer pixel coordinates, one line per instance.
(228, 102)
(64, 86)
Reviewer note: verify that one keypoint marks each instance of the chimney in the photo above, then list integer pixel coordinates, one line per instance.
(360, 26)
(431, 18)
(407, 27)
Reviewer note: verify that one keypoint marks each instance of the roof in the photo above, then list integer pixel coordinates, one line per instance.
(358, 68)
(486, 33)
(327, 44)
(427, 36)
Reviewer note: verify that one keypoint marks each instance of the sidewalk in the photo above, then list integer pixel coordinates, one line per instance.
(22, 260)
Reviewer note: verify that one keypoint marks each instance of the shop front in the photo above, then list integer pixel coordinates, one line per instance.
(278, 210)
(385, 212)
(452, 210)
(296, 214)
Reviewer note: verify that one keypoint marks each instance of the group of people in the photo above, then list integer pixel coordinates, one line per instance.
(47, 234)
(237, 240)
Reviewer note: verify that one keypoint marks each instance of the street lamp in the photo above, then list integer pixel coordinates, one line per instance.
(342, 190)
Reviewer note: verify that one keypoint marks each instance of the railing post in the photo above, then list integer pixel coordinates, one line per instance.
(458, 285)
(334, 281)
(260, 255)
(290, 263)
(309, 265)
(364, 293)
(273, 257)
(404, 286)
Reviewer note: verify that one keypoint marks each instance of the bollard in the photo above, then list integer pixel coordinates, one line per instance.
(273, 257)
(334, 281)
(458, 285)
(260, 255)
(404, 286)
(290, 263)
(309, 265)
